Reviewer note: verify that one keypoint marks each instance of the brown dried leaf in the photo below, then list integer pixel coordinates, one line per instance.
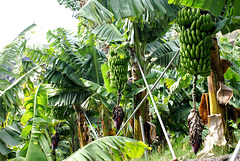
(225, 64)
(215, 136)
(153, 134)
(224, 94)
(112, 132)
(203, 109)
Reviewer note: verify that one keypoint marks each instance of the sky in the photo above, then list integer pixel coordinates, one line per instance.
(16, 15)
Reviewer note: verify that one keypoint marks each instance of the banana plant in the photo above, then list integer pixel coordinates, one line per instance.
(14, 78)
(140, 24)
(66, 60)
(36, 123)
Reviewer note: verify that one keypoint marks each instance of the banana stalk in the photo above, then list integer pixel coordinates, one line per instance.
(195, 122)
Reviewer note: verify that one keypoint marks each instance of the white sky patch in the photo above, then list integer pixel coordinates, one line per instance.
(16, 15)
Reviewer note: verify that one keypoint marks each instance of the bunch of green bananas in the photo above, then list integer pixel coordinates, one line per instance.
(118, 65)
(195, 41)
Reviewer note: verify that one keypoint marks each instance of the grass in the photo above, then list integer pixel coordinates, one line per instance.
(182, 150)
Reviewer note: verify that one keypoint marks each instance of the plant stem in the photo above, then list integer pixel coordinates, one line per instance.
(118, 97)
(194, 91)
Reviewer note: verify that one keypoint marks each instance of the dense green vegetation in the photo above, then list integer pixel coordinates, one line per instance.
(57, 101)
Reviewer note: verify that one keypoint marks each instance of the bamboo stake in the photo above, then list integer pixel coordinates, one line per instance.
(83, 104)
(143, 136)
(154, 85)
(156, 110)
(236, 152)
(90, 125)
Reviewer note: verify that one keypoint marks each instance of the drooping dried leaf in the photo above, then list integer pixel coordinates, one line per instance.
(195, 129)
(87, 138)
(224, 93)
(153, 135)
(225, 64)
(203, 109)
(112, 132)
(215, 136)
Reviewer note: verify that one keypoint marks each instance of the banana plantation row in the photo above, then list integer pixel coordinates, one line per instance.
(86, 96)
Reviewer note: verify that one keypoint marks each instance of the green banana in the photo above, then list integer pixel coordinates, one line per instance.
(198, 13)
(200, 43)
(198, 39)
(198, 32)
(200, 62)
(195, 63)
(187, 54)
(189, 48)
(204, 67)
(192, 54)
(193, 71)
(199, 68)
(189, 12)
(190, 39)
(193, 25)
(197, 53)
(198, 24)
(191, 19)
(195, 41)
(202, 55)
(194, 11)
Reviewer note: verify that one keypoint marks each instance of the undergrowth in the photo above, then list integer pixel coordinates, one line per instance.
(182, 149)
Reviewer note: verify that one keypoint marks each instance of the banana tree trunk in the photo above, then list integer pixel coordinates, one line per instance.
(105, 118)
(218, 96)
(140, 48)
(212, 95)
(80, 122)
(216, 80)
(215, 84)
(143, 110)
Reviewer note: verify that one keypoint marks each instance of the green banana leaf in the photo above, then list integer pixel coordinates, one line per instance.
(100, 13)
(110, 148)
(108, 32)
(9, 135)
(38, 148)
(215, 6)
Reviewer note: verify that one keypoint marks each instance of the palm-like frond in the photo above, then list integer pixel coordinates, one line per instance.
(102, 91)
(163, 53)
(12, 54)
(230, 8)
(35, 105)
(124, 9)
(73, 5)
(11, 81)
(66, 61)
(92, 66)
(23, 33)
(95, 12)
(98, 13)
(110, 148)
(108, 32)
(11, 93)
(9, 135)
(59, 72)
(68, 98)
